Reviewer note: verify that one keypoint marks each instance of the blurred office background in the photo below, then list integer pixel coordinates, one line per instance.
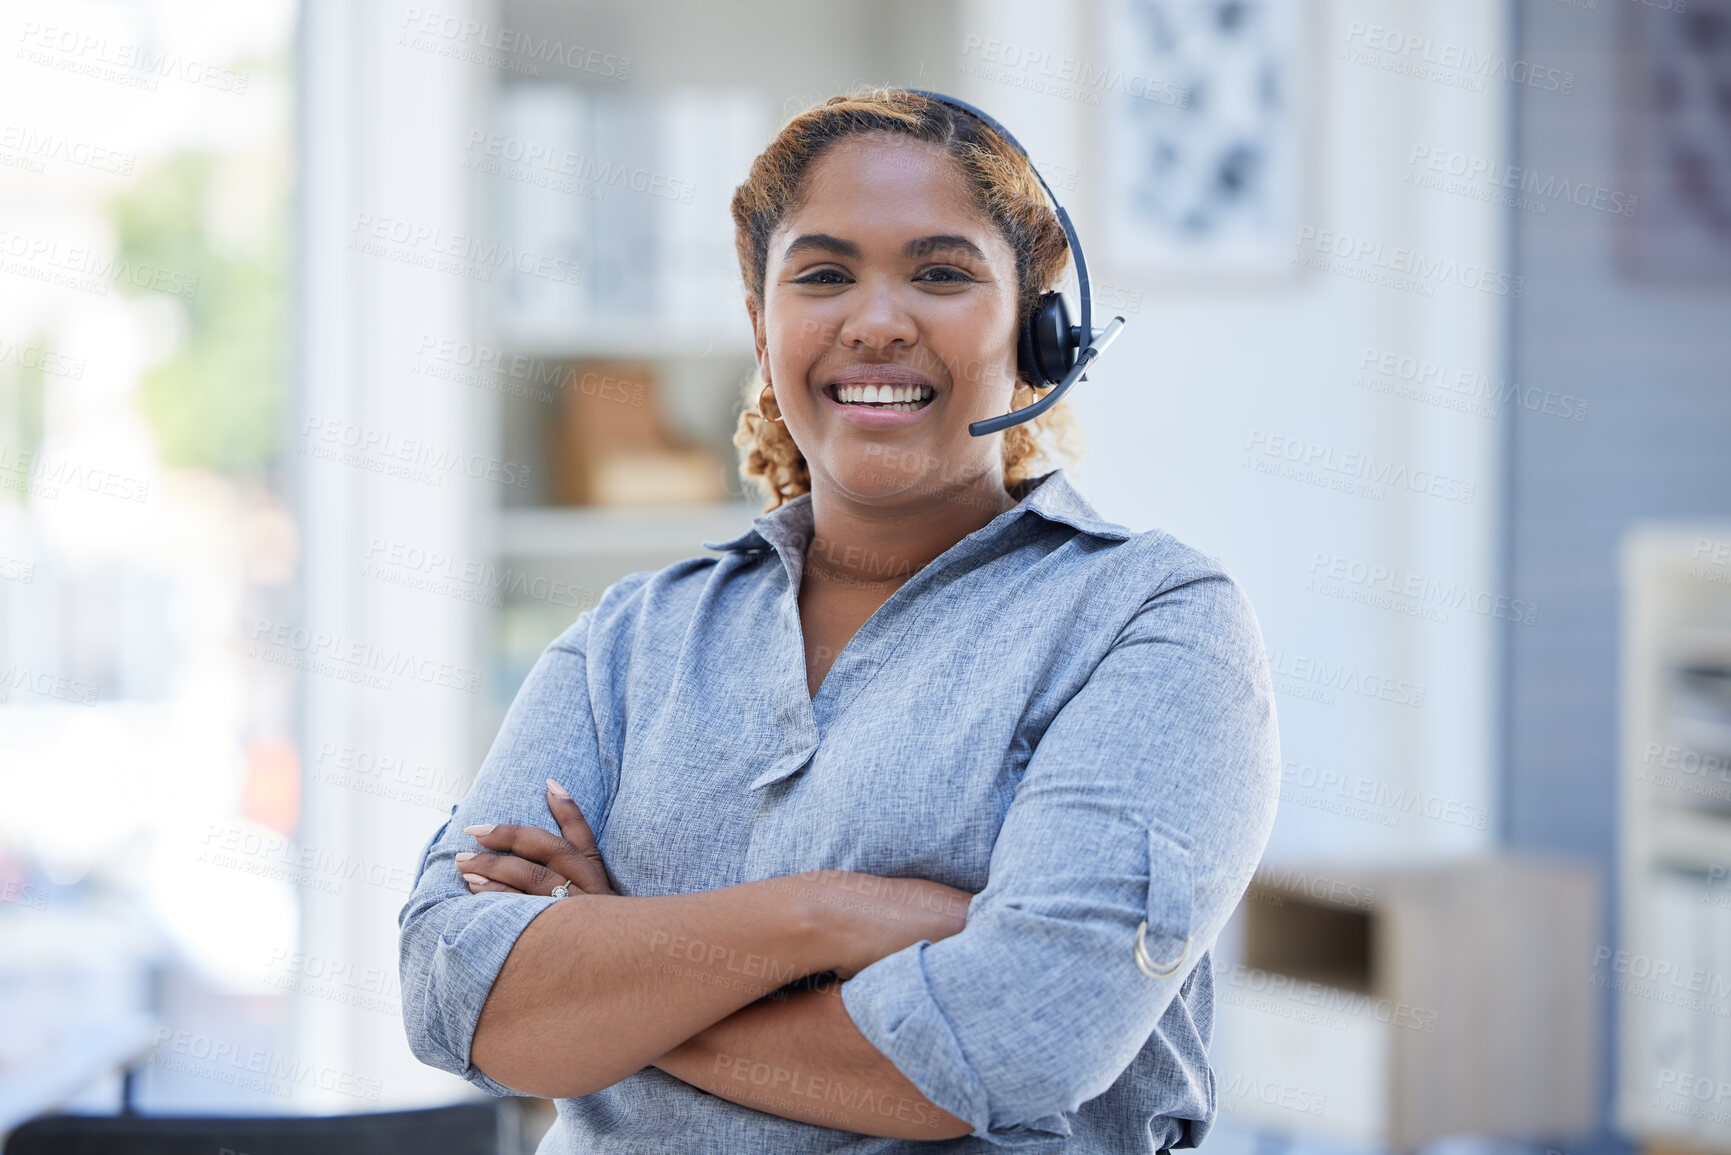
(335, 336)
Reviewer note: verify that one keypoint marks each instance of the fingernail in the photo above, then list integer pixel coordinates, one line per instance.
(556, 790)
(465, 856)
(479, 831)
(477, 879)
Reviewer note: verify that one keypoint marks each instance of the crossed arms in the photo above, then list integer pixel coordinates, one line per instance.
(1148, 799)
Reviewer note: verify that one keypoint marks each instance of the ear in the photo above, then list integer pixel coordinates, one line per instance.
(758, 339)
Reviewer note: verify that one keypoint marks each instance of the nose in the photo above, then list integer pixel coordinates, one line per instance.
(879, 319)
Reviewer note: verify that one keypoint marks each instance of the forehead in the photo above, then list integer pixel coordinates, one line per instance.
(888, 183)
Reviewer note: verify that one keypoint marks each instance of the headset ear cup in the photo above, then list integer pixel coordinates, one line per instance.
(1027, 361)
(1048, 344)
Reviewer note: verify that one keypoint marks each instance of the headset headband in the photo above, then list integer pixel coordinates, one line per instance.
(1087, 342)
(1063, 217)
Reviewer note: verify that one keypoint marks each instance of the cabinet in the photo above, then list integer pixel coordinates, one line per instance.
(1670, 971)
(1399, 1006)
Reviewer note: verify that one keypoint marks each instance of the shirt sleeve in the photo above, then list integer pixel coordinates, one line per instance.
(452, 943)
(1148, 799)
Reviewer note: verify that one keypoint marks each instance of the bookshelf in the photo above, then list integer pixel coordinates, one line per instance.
(611, 188)
(1671, 969)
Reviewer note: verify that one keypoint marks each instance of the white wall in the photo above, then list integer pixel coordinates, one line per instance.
(1170, 412)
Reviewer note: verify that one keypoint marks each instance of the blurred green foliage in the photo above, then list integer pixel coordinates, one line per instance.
(215, 402)
(23, 413)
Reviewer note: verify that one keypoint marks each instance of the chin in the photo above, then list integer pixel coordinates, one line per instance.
(880, 483)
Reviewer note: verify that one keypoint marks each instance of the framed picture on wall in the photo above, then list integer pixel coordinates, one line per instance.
(1201, 136)
(1676, 141)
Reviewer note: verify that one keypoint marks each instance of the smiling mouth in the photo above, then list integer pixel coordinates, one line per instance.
(902, 398)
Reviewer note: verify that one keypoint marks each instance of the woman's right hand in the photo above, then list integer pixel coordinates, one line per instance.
(871, 917)
(531, 860)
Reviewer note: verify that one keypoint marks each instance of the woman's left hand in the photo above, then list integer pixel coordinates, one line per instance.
(530, 860)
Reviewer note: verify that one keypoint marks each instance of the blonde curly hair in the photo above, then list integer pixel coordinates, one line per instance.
(1007, 193)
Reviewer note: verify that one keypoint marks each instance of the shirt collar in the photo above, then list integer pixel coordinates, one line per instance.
(1050, 495)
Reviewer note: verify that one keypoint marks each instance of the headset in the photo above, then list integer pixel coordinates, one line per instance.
(1051, 351)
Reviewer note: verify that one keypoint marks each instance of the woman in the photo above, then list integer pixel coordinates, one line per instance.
(965, 777)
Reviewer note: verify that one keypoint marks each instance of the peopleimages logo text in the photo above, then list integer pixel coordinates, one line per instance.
(1423, 267)
(317, 649)
(583, 167)
(1365, 467)
(1453, 595)
(430, 241)
(1464, 62)
(1469, 384)
(86, 53)
(386, 447)
(1499, 174)
(516, 42)
(43, 146)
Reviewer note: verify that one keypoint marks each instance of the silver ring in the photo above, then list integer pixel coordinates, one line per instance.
(561, 890)
(1147, 964)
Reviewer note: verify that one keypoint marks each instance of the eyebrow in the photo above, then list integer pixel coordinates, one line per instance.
(919, 246)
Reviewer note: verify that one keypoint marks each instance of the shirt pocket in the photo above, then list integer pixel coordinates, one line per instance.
(1163, 941)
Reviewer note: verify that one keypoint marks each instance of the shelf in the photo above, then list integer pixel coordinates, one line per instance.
(1686, 837)
(1676, 827)
(553, 532)
(1675, 546)
(1704, 736)
(1698, 645)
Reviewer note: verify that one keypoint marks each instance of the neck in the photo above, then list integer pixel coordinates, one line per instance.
(879, 545)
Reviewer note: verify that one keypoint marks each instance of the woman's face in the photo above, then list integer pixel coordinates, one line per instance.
(887, 283)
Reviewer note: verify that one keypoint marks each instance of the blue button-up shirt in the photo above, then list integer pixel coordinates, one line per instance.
(1073, 720)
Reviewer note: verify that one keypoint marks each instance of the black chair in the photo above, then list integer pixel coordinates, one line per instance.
(466, 1129)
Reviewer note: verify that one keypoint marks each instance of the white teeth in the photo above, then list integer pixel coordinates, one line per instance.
(897, 395)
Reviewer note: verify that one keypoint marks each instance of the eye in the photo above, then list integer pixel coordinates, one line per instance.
(812, 278)
(951, 276)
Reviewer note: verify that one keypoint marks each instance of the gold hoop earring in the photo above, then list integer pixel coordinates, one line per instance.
(760, 411)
